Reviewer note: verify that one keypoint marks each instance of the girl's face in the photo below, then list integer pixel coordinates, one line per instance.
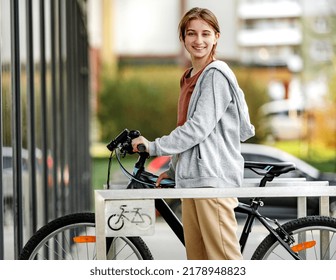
(200, 39)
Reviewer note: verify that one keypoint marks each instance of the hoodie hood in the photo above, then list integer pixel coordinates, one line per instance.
(246, 128)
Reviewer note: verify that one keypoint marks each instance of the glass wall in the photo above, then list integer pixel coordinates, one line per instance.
(44, 108)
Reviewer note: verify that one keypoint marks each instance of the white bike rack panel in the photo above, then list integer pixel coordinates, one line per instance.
(278, 188)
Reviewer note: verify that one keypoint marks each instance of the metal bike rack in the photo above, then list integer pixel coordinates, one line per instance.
(278, 188)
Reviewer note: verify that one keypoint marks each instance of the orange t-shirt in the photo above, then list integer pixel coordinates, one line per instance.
(187, 85)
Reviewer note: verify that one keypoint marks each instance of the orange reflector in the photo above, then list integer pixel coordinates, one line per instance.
(84, 239)
(304, 246)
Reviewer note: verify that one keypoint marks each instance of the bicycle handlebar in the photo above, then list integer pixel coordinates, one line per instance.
(124, 141)
(140, 177)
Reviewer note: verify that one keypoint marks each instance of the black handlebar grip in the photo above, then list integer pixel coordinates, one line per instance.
(134, 134)
(141, 148)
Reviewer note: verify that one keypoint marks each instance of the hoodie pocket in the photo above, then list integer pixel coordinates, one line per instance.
(192, 166)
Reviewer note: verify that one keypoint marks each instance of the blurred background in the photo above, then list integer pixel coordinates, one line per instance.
(282, 51)
(74, 73)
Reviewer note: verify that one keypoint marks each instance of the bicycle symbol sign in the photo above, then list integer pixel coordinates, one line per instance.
(129, 218)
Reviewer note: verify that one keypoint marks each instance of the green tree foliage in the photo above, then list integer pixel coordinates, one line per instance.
(254, 87)
(144, 102)
(145, 98)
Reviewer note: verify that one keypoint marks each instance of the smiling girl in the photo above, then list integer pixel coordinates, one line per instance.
(212, 121)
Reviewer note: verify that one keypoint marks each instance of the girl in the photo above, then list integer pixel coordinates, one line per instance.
(205, 146)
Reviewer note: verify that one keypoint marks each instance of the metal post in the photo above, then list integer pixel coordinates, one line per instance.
(301, 206)
(61, 69)
(31, 117)
(54, 107)
(69, 91)
(16, 128)
(44, 128)
(324, 235)
(71, 103)
(2, 243)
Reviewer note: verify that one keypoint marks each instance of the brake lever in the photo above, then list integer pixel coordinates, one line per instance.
(118, 140)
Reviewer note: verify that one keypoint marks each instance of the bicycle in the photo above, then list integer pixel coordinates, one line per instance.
(73, 236)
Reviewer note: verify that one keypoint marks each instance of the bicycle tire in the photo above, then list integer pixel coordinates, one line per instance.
(309, 229)
(63, 239)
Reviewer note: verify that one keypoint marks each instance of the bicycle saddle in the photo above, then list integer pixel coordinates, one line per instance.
(271, 168)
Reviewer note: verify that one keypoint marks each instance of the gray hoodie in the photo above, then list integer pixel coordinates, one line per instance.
(206, 148)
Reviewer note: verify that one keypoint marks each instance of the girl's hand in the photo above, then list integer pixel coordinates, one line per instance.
(162, 176)
(137, 141)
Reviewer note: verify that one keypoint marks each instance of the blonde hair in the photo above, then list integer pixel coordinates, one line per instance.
(198, 13)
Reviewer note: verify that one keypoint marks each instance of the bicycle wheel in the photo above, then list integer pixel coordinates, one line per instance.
(315, 239)
(72, 237)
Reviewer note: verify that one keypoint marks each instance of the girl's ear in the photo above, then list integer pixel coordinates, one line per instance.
(217, 35)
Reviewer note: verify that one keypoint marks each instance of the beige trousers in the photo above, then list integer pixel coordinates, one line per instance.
(210, 229)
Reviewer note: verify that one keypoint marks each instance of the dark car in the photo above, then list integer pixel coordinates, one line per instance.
(255, 152)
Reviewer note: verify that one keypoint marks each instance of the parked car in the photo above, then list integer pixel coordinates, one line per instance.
(255, 152)
(7, 179)
(282, 119)
(7, 171)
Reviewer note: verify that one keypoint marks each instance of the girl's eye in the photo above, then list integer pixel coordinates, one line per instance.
(192, 33)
